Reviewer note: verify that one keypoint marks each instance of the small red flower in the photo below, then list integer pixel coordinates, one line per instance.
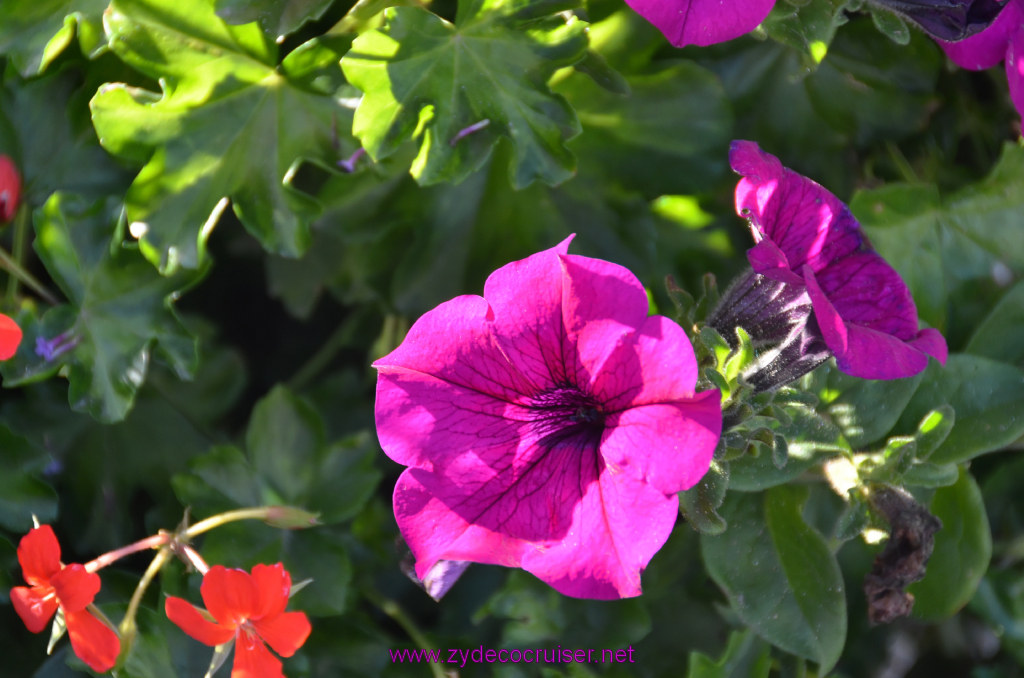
(68, 587)
(10, 189)
(249, 609)
(10, 337)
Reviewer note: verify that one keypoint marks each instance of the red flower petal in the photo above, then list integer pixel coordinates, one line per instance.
(10, 189)
(32, 607)
(75, 587)
(253, 659)
(192, 622)
(285, 633)
(10, 337)
(94, 642)
(39, 555)
(230, 595)
(273, 583)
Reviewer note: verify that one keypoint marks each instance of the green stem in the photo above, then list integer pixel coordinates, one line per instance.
(18, 250)
(902, 164)
(127, 627)
(341, 338)
(261, 513)
(15, 269)
(395, 611)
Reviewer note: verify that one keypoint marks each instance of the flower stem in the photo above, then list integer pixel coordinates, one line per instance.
(157, 540)
(18, 273)
(127, 626)
(395, 611)
(260, 513)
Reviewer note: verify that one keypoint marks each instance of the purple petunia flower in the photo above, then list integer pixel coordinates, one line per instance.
(547, 425)
(702, 22)
(808, 240)
(1002, 40)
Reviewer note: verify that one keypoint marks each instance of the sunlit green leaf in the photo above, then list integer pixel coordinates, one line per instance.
(34, 33)
(227, 128)
(458, 88)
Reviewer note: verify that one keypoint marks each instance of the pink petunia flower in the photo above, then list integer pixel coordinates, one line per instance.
(1003, 40)
(547, 425)
(247, 610)
(70, 588)
(702, 22)
(706, 22)
(815, 257)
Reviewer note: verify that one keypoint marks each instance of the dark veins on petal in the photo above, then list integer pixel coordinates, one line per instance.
(565, 414)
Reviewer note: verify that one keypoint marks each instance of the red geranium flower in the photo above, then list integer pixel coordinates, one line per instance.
(10, 189)
(68, 587)
(249, 609)
(10, 337)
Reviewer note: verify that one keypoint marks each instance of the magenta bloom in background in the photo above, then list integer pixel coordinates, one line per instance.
(1001, 41)
(808, 239)
(547, 425)
(702, 22)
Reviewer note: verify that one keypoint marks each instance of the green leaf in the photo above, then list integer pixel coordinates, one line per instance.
(779, 575)
(963, 548)
(698, 504)
(891, 25)
(808, 28)
(434, 81)
(228, 125)
(118, 308)
(637, 139)
(865, 410)
(288, 462)
(746, 656)
(946, 248)
(998, 335)
(34, 33)
(277, 18)
(987, 397)
(871, 88)
(22, 493)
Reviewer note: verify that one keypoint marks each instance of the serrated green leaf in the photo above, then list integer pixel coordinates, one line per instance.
(429, 79)
(228, 125)
(34, 33)
(118, 309)
(963, 548)
(988, 398)
(779, 575)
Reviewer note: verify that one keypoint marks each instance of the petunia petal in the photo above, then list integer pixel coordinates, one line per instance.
(229, 594)
(192, 622)
(33, 606)
(10, 189)
(862, 351)
(987, 48)
(1015, 67)
(665, 445)
(654, 364)
(10, 337)
(807, 223)
(273, 583)
(526, 301)
(867, 291)
(285, 632)
(39, 555)
(253, 659)
(618, 526)
(702, 22)
(94, 642)
(75, 587)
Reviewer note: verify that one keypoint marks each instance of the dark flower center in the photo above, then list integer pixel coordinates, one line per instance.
(565, 414)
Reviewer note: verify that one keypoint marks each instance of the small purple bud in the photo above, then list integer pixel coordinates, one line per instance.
(466, 131)
(54, 348)
(349, 164)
